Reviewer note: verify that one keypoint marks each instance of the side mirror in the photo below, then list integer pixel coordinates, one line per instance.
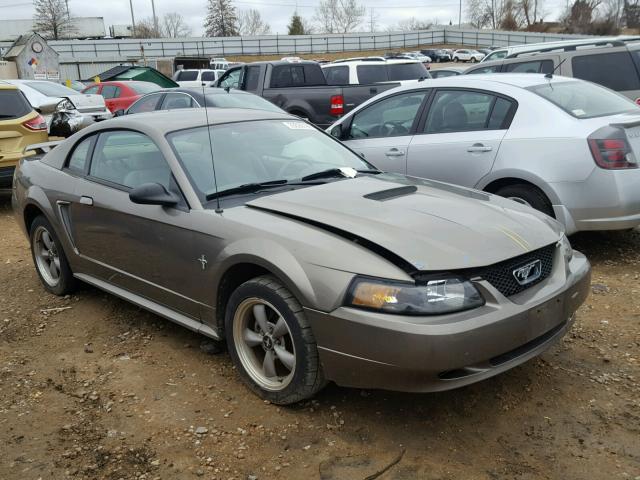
(153, 194)
(336, 131)
(119, 113)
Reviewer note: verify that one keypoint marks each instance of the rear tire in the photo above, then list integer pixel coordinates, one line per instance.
(49, 258)
(455, 59)
(473, 59)
(527, 195)
(271, 343)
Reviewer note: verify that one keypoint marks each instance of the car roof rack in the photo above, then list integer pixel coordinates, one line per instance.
(569, 47)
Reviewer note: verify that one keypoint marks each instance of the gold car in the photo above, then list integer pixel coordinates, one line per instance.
(20, 126)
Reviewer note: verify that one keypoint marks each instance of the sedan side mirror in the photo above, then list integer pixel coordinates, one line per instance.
(153, 194)
(337, 131)
(119, 113)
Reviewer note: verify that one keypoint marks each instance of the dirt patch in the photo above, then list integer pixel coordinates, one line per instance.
(104, 390)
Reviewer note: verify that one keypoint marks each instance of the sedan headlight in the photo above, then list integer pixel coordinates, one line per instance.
(65, 105)
(433, 297)
(566, 248)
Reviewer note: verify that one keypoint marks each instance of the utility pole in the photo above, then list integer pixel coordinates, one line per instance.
(66, 2)
(460, 14)
(155, 19)
(133, 20)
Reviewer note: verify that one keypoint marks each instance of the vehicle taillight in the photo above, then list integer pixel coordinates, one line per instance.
(337, 105)
(36, 124)
(637, 101)
(611, 150)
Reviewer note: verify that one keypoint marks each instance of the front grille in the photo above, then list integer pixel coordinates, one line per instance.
(500, 275)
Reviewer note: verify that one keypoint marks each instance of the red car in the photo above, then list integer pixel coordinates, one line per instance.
(120, 95)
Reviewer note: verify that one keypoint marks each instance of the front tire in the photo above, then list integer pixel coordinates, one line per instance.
(527, 195)
(49, 258)
(271, 343)
(473, 60)
(455, 59)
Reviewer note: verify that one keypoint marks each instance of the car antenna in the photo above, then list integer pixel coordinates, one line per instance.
(213, 163)
(550, 74)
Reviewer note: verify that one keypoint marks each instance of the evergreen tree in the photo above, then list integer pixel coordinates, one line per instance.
(221, 19)
(296, 26)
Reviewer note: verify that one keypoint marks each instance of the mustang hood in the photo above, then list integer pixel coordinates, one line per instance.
(429, 225)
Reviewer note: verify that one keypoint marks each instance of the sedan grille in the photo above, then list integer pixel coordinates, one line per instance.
(501, 275)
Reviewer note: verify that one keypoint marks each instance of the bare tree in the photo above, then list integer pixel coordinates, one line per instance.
(580, 15)
(146, 28)
(174, 26)
(410, 24)
(339, 16)
(52, 19)
(532, 11)
(250, 22)
(613, 11)
(478, 14)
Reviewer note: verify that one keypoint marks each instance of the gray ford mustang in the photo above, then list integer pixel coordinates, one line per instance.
(313, 265)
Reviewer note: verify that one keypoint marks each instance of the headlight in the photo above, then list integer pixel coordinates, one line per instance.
(566, 248)
(433, 297)
(65, 105)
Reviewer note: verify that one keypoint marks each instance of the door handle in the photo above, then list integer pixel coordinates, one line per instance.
(394, 152)
(478, 147)
(88, 201)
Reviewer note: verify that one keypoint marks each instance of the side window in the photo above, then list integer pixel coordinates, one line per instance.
(208, 76)
(458, 111)
(231, 79)
(613, 70)
(129, 159)
(313, 75)
(500, 114)
(174, 101)
(148, 103)
(80, 155)
(372, 74)
(110, 91)
(281, 77)
(491, 69)
(188, 76)
(496, 55)
(252, 79)
(297, 76)
(536, 66)
(92, 90)
(391, 117)
(337, 75)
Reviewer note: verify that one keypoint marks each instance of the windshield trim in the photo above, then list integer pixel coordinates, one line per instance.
(533, 89)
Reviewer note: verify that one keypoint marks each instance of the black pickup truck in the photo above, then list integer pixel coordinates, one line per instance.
(300, 89)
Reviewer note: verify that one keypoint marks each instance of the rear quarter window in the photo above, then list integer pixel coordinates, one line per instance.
(372, 73)
(337, 75)
(14, 105)
(612, 70)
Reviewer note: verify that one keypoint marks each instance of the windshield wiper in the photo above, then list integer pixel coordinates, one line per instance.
(246, 188)
(334, 172)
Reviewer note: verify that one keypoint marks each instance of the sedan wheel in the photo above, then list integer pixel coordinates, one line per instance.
(473, 60)
(48, 256)
(271, 342)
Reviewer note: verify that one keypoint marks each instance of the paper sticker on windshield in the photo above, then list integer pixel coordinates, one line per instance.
(298, 125)
(578, 112)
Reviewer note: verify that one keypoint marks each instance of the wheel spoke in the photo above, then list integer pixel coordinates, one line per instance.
(287, 358)
(269, 364)
(46, 239)
(252, 338)
(53, 269)
(280, 328)
(260, 314)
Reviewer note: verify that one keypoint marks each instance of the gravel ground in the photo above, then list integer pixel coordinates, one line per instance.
(94, 388)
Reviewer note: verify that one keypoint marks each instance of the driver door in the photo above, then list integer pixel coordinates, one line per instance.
(382, 131)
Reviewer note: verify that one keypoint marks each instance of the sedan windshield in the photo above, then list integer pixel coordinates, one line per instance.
(51, 89)
(238, 100)
(257, 152)
(584, 99)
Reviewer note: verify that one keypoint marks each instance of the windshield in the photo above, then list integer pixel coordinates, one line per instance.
(407, 71)
(257, 152)
(584, 99)
(51, 89)
(237, 100)
(144, 87)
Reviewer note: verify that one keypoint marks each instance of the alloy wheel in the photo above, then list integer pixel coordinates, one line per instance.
(46, 256)
(264, 344)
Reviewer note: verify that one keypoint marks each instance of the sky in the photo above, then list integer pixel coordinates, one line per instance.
(276, 12)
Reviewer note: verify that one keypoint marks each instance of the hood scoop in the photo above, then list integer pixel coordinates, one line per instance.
(390, 194)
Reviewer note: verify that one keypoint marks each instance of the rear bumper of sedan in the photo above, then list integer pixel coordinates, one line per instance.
(428, 354)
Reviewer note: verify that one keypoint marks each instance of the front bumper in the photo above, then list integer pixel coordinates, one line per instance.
(426, 354)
